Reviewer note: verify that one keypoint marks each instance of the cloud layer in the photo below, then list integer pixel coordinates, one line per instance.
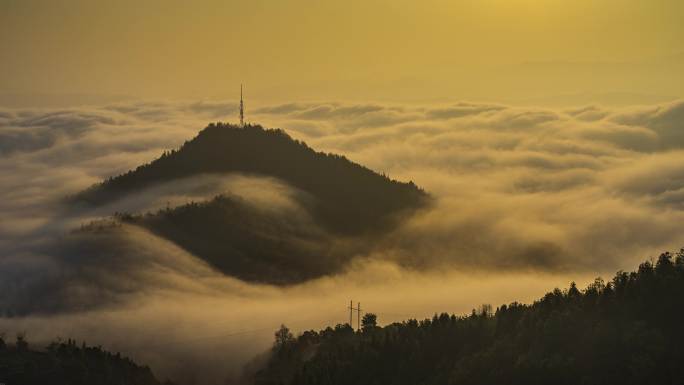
(584, 189)
(589, 188)
(526, 198)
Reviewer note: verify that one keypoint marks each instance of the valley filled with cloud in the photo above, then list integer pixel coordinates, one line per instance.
(525, 198)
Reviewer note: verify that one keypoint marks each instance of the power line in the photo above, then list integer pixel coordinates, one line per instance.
(356, 309)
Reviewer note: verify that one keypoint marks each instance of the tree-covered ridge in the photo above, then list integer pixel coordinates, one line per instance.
(627, 331)
(350, 198)
(66, 363)
(244, 242)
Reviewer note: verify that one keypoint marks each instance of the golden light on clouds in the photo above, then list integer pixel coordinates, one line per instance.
(526, 199)
(548, 133)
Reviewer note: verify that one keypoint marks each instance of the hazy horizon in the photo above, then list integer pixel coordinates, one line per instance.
(519, 51)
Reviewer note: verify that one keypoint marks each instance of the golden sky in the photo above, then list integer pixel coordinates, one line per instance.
(537, 51)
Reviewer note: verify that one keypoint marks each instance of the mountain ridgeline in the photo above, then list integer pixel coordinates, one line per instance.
(628, 331)
(350, 199)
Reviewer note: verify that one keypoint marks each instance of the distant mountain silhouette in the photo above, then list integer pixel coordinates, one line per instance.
(351, 199)
(351, 207)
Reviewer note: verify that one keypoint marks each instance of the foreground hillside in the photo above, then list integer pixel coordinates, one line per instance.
(65, 363)
(626, 331)
(349, 198)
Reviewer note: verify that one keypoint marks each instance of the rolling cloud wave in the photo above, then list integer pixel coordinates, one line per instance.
(568, 192)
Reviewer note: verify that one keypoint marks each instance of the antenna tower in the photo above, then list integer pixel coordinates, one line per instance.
(242, 109)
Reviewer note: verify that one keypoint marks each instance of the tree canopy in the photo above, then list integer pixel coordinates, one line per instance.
(626, 331)
(66, 363)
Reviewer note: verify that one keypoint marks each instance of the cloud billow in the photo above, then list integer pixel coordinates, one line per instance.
(544, 157)
(573, 192)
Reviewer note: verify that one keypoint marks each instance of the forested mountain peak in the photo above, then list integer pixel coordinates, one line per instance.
(342, 208)
(350, 198)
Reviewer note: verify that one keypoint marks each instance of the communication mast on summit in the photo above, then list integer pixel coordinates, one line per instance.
(242, 109)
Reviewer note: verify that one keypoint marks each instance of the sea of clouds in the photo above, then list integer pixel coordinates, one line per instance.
(526, 199)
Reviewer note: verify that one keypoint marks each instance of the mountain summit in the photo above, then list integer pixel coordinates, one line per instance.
(350, 198)
(349, 206)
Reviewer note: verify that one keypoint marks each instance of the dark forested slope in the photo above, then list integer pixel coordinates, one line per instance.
(65, 363)
(628, 331)
(350, 198)
(244, 242)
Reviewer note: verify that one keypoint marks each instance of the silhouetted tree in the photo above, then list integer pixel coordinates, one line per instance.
(369, 322)
(283, 337)
(21, 344)
(485, 310)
